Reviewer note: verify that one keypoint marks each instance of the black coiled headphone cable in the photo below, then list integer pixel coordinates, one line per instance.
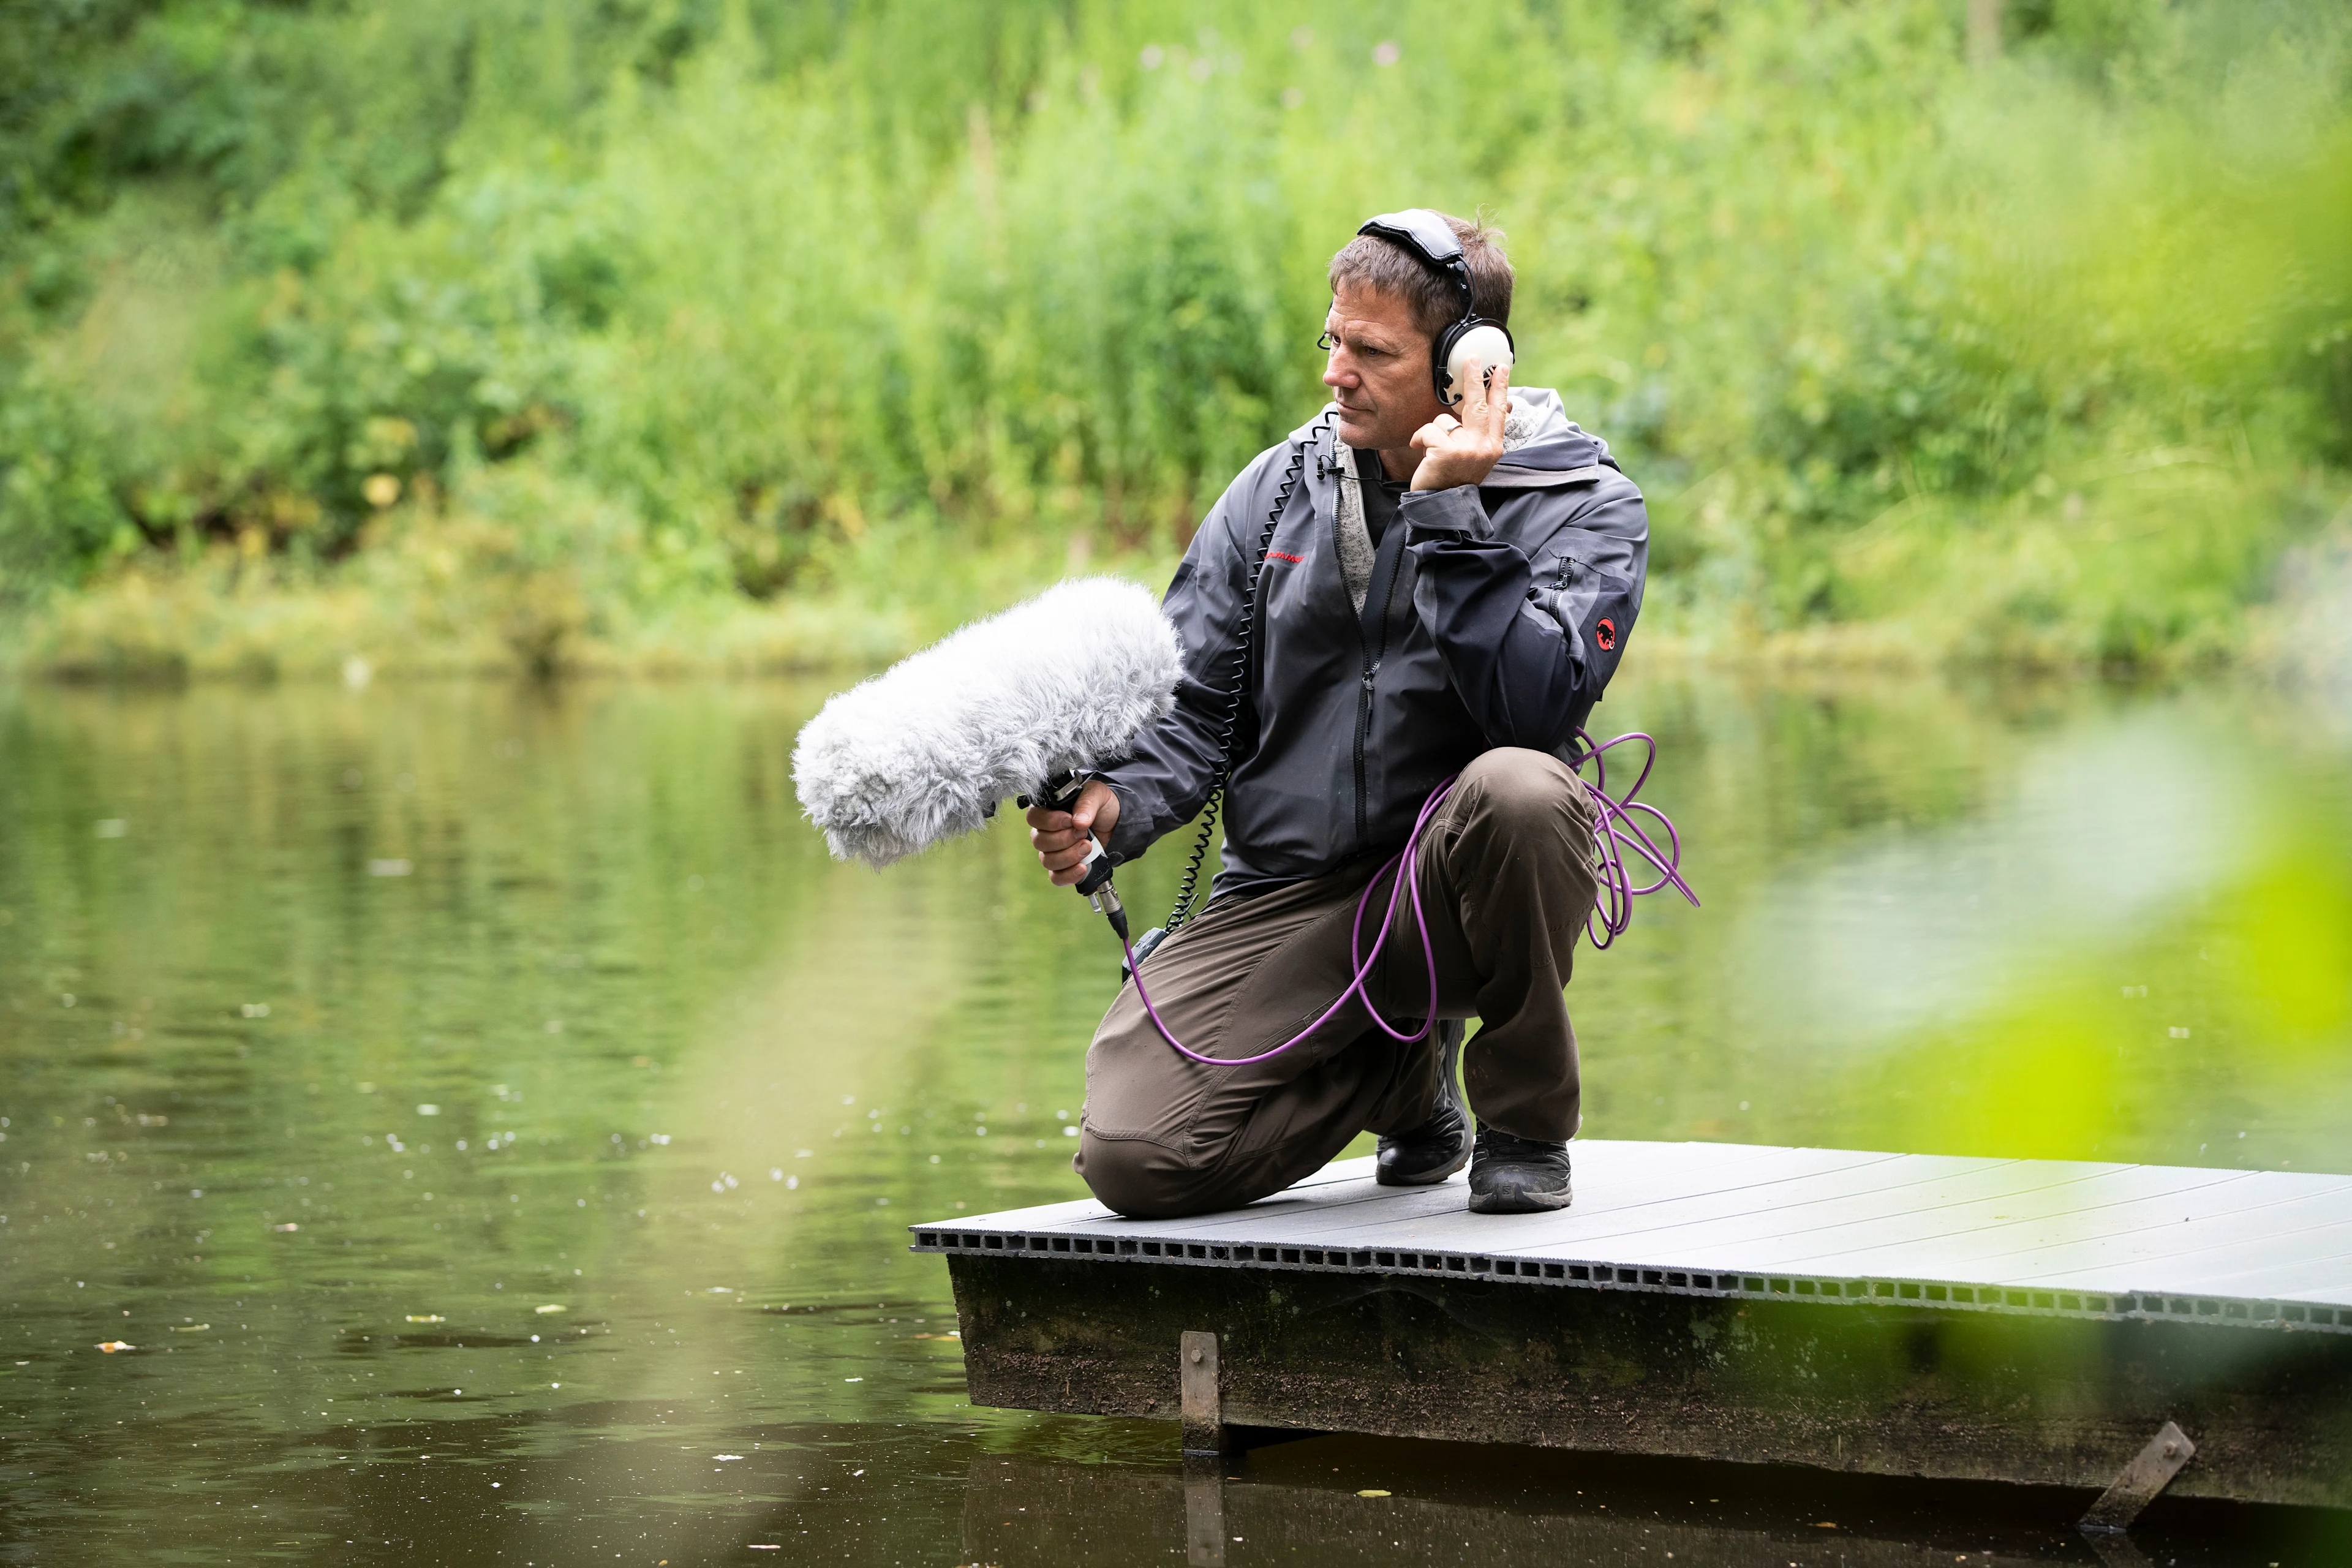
(1243, 638)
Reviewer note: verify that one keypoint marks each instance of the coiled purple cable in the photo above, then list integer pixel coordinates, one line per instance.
(1614, 832)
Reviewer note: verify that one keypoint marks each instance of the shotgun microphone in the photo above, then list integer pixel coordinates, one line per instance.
(1027, 703)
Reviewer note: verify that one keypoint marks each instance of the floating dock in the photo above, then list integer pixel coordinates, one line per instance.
(2049, 1323)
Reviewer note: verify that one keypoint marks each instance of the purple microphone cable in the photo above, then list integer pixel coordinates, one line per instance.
(1615, 833)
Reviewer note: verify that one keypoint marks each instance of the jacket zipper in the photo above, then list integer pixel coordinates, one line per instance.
(1373, 656)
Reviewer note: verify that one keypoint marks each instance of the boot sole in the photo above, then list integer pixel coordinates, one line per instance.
(1520, 1203)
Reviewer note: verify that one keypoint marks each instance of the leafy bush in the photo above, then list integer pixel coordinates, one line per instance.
(2046, 359)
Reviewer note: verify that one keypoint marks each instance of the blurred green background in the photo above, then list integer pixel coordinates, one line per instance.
(704, 334)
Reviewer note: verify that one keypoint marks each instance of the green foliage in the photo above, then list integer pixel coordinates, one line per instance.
(2049, 359)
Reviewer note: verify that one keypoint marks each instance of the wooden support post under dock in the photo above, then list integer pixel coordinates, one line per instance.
(1999, 1320)
(1198, 1407)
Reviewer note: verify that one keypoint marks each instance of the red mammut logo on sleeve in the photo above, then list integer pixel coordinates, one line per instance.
(1605, 634)
(1285, 556)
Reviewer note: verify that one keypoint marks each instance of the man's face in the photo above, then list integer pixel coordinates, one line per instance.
(1378, 370)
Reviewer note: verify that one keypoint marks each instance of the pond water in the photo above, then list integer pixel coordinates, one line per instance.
(487, 1121)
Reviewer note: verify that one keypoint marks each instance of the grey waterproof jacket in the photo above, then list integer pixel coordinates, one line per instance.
(1493, 616)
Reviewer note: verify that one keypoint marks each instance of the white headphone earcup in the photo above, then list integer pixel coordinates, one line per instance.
(1486, 344)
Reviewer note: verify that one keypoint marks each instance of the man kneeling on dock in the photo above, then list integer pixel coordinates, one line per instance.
(1442, 593)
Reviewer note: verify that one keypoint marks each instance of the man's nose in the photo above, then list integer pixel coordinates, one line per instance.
(1335, 376)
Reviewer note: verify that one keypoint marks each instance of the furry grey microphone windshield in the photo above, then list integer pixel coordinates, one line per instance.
(1063, 683)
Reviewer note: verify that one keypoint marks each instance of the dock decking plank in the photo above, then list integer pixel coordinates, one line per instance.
(2085, 1209)
(1436, 1216)
(2144, 1231)
(1366, 1208)
(2317, 1277)
(1796, 1212)
(1643, 1200)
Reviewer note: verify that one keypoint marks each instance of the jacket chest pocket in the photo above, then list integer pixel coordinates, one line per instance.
(1303, 614)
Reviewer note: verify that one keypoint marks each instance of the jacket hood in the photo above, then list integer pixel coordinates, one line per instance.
(1539, 437)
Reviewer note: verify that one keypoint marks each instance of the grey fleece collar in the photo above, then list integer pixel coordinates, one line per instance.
(1536, 415)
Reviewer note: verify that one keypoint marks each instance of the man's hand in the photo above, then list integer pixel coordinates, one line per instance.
(1060, 837)
(1463, 451)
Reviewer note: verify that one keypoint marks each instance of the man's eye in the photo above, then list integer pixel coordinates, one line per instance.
(1331, 343)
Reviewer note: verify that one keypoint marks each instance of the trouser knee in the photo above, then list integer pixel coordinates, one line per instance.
(1516, 790)
(1137, 1177)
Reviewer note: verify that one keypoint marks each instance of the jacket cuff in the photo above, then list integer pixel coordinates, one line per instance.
(1133, 834)
(1456, 511)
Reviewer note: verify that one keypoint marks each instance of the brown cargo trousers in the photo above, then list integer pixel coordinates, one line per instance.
(1507, 880)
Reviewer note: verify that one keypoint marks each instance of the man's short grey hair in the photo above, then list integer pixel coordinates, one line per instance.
(1367, 262)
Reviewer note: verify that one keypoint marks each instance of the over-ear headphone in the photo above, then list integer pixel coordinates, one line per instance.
(1428, 236)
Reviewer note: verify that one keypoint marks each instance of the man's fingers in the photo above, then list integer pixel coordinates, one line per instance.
(1055, 856)
(1498, 401)
(1473, 391)
(1062, 838)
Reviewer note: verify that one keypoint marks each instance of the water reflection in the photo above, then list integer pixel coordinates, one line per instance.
(2095, 835)
(473, 1112)
(1347, 1501)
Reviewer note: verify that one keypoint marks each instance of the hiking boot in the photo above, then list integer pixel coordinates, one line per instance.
(1510, 1174)
(1441, 1145)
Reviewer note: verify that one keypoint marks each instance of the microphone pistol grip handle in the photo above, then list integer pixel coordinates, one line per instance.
(1061, 792)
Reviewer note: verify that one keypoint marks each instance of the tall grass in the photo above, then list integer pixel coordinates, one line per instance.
(630, 321)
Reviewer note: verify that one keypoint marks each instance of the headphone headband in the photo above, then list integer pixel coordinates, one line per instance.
(1429, 236)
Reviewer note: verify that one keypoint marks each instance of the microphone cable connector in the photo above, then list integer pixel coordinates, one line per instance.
(1104, 900)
